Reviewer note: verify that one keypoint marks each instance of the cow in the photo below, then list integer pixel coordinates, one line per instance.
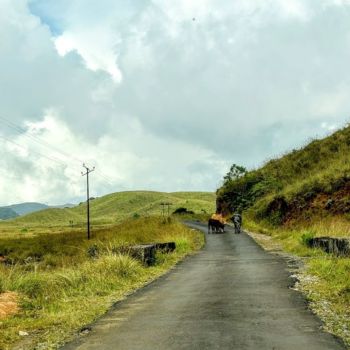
(215, 226)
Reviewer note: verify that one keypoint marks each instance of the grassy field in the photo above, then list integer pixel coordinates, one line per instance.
(64, 281)
(105, 211)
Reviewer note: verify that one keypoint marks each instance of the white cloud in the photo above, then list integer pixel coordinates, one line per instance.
(158, 100)
(329, 127)
(97, 56)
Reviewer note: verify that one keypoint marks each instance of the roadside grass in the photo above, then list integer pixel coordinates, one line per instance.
(328, 289)
(65, 282)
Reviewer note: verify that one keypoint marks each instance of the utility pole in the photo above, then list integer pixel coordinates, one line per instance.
(88, 171)
(164, 204)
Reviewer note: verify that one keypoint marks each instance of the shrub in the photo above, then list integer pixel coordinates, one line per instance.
(31, 285)
(306, 238)
(118, 265)
(93, 251)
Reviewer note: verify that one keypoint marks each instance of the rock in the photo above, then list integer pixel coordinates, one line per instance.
(166, 247)
(331, 245)
(146, 253)
(23, 333)
(85, 330)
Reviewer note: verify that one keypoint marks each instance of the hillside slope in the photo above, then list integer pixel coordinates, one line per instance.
(116, 207)
(312, 181)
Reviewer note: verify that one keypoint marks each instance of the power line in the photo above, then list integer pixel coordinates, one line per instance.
(38, 140)
(35, 152)
(41, 142)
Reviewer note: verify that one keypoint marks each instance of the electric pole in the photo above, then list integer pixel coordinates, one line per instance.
(88, 171)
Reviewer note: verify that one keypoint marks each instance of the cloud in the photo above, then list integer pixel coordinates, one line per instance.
(164, 94)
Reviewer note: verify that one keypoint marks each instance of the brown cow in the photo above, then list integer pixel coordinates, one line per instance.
(215, 226)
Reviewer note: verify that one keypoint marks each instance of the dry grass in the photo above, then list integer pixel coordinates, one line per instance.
(8, 304)
(63, 287)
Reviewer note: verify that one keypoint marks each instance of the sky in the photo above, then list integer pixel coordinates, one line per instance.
(160, 94)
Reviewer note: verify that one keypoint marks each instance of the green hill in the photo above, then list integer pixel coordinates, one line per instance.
(310, 182)
(118, 206)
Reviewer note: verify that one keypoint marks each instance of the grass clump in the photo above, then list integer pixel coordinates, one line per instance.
(307, 237)
(73, 281)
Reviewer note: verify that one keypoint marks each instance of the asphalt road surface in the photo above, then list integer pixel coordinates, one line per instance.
(231, 295)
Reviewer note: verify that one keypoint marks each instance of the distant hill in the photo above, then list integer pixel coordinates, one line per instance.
(7, 213)
(15, 210)
(313, 181)
(27, 208)
(118, 206)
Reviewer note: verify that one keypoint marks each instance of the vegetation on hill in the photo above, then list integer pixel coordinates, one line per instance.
(109, 210)
(303, 194)
(312, 181)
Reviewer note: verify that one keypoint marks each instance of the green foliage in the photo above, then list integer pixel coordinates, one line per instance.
(235, 172)
(93, 251)
(183, 210)
(306, 238)
(321, 167)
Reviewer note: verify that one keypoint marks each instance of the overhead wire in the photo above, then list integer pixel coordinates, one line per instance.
(41, 142)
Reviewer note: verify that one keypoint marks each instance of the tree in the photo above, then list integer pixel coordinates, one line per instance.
(236, 171)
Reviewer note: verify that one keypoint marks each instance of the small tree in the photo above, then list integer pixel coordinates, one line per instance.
(235, 172)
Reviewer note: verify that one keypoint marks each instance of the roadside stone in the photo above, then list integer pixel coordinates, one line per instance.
(337, 246)
(146, 253)
(166, 247)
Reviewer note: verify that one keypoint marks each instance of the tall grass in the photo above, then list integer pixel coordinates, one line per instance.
(65, 288)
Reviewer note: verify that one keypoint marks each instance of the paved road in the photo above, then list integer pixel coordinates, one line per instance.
(232, 295)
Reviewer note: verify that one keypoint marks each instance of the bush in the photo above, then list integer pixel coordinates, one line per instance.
(183, 210)
(31, 285)
(306, 238)
(93, 251)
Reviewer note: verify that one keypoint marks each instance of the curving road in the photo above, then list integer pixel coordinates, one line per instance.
(232, 295)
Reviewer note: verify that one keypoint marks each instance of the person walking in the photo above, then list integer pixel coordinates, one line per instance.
(237, 221)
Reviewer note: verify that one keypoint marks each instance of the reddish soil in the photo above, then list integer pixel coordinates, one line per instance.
(8, 304)
(337, 203)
